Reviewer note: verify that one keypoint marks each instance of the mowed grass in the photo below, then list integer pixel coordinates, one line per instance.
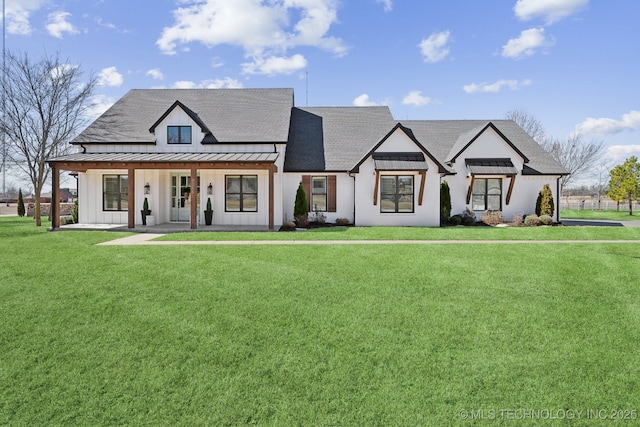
(621, 215)
(313, 335)
(416, 233)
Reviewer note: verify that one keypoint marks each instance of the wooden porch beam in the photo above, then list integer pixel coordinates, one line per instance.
(513, 180)
(470, 189)
(375, 189)
(423, 175)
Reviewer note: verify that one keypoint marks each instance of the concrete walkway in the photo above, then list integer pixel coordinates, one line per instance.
(147, 239)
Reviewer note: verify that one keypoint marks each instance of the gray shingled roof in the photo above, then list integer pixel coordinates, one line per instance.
(232, 115)
(443, 137)
(334, 138)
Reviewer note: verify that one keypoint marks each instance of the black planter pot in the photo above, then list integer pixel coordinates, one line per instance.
(208, 217)
(144, 214)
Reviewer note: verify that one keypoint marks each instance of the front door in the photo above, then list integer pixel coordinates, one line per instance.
(182, 196)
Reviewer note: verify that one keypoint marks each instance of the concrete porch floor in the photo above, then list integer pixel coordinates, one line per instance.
(164, 228)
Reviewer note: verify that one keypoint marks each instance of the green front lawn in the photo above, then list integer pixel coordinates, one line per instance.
(417, 233)
(314, 335)
(622, 215)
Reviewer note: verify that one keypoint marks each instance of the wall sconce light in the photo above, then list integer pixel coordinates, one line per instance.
(147, 188)
(210, 189)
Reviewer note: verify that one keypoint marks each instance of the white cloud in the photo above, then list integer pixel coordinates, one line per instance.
(606, 126)
(275, 65)
(57, 24)
(388, 4)
(617, 154)
(415, 98)
(227, 83)
(497, 86)
(526, 44)
(155, 74)
(435, 48)
(18, 14)
(110, 77)
(364, 101)
(265, 30)
(98, 105)
(551, 10)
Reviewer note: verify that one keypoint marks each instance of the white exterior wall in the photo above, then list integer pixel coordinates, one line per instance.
(344, 195)
(525, 190)
(368, 214)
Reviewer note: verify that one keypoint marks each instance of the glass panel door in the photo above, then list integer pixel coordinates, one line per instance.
(182, 196)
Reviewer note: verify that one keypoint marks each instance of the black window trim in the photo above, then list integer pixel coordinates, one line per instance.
(486, 194)
(180, 135)
(119, 177)
(241, 193)
(396, 194)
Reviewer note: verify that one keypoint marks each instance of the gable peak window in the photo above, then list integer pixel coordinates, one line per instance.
(178, 134)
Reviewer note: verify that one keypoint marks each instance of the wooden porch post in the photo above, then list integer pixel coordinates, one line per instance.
(194, 198)
(131, 199)
(55, 197)
(271, 197)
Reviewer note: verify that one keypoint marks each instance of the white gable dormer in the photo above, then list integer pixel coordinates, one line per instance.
(180, 129)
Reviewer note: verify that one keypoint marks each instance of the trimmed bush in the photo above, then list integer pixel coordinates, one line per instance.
(21, 209)
(546, 219)
(516, 221)
(342, 221)
(301, 207)
(546, 201)
(74, 214)
(532, 220)
(445, 202)
(492, 218)
(288, 226)
(468, 217)
(455, 220)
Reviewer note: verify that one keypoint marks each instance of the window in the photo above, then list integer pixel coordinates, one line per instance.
(241, 193)
(319, 194)
(115, 192)
(179, 134)
(487, 194)
(396, 193)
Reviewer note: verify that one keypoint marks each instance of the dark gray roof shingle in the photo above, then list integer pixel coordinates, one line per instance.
(334, 138)
(232, 115)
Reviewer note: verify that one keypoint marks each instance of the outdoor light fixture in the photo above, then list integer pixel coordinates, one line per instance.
(210, 189)
(147, 188)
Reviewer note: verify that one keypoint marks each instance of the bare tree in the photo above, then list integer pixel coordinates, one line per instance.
(45, 106)
(575, 154)
(529, 123)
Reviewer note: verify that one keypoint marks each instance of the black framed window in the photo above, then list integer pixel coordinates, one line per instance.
(319, 194)
(115, 192)
(396, 193)
(179, 134)
(487, 194)
(241, 193)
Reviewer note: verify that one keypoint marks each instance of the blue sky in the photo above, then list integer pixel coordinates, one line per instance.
(574, 64)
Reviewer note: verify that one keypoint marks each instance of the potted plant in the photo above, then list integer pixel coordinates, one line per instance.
(145, 211)
(208, 213)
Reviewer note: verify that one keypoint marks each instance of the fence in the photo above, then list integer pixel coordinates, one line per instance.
(595, 205)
